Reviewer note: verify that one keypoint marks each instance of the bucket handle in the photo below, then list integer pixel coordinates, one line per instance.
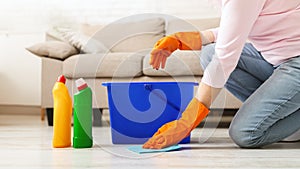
(149, 87)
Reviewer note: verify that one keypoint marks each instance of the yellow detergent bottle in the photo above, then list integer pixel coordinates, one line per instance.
(62, 114)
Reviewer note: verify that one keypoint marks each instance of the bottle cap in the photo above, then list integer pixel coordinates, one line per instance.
(61, 79)
(81, 84)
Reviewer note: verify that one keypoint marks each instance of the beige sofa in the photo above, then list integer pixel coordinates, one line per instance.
(124, 56)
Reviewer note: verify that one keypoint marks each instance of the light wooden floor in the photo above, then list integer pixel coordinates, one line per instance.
(25, 142)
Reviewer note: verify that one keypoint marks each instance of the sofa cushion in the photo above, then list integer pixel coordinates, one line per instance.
(131, 36)
(78, 39)
(90, 29)
(103, 65)
(180, 63)
(83, 43)
(178, 25)
(53, 49)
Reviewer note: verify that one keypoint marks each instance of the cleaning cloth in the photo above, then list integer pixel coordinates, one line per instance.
(139, 149)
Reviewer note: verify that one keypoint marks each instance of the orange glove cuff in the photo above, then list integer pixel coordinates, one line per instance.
(194, 114)
(189, 40)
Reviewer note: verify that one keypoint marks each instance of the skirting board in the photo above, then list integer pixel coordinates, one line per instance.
(20, 109)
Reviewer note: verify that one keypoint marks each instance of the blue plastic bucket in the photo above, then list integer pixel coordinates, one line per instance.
(138, 109)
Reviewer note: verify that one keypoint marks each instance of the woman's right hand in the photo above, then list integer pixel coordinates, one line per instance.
(173, 132)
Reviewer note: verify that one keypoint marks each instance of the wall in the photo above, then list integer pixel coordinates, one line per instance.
(19, 70)
(23, 23)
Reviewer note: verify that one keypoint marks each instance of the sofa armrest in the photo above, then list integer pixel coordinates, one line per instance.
(51, 69)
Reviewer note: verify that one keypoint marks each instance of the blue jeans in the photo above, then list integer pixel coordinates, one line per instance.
(270, 96)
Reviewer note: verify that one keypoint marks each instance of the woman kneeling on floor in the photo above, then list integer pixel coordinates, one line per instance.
(263, 74)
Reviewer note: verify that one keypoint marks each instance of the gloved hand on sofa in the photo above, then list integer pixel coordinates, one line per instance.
(180, 40)
(173, 132)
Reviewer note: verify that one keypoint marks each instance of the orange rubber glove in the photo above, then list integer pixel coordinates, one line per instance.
(167, 45)
(173, 132)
